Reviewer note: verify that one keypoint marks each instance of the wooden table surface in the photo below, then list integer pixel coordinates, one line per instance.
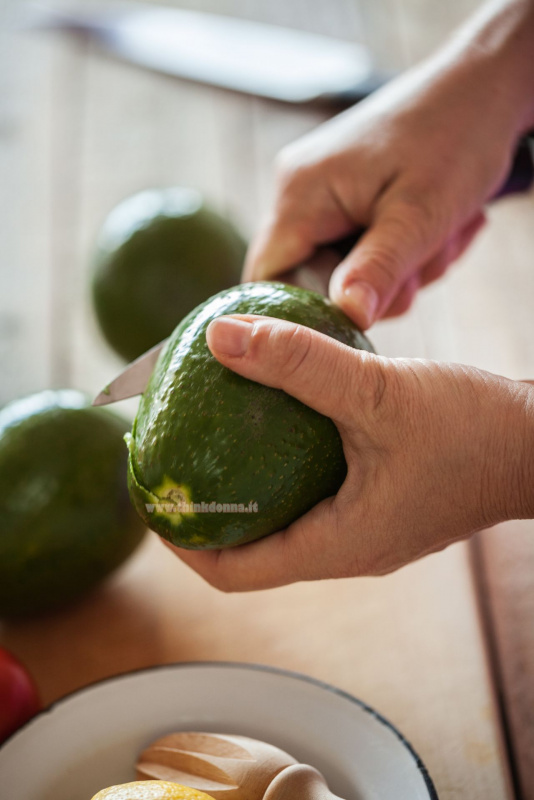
(444, 647)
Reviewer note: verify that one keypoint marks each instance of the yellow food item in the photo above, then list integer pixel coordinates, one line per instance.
(150, 790)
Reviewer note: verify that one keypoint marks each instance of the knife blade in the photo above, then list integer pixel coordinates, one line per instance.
(313, 275)
(256, 58)
(133, 380)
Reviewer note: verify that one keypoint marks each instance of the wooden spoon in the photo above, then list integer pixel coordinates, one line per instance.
(224, 766)
(299, 782)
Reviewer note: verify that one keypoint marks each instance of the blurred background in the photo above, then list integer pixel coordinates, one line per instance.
(80, 131)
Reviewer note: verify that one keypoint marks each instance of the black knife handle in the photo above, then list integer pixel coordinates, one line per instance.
(369, 84)
(521, 175)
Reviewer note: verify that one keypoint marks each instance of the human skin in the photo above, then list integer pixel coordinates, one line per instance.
(414, 163)
(434, 451)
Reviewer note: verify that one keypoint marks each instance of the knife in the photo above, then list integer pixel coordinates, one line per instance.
(265, 60)
(313, 275)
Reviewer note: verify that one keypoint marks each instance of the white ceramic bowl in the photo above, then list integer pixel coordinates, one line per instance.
(91, 738)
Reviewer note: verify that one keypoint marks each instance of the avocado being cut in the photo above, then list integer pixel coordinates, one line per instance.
(65, 517)
(216, 460)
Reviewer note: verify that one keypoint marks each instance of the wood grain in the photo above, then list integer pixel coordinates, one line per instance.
(505, 563)
(409, 644)
(26, 107)
(79, 133)
(489, 302)
(228, 767)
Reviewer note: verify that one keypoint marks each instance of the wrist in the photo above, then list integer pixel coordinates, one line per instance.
(527, 466)
(513, 467)
(499, 40)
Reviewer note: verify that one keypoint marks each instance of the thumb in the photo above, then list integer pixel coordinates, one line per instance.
(330, 377)
(392, 252)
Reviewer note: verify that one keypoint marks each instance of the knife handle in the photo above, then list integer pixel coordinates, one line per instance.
(374, 80)
(315, 273)
(521, 175)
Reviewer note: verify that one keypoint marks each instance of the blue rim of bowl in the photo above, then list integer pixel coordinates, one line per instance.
(432, 793)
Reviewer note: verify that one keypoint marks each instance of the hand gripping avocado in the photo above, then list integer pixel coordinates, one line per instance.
(217, 460)
(65, 517)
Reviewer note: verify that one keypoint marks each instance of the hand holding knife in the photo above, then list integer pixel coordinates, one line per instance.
(313, 275)
(266, 60)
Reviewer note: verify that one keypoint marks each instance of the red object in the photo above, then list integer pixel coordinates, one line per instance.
(19, 700)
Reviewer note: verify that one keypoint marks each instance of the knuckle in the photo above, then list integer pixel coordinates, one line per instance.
(404, 297)
(419, 212)
(296, 343)
(383, 263)
(435, 268)
(415, 226)
(378, 395)
(221, 582)
(286, 171)
(281, 346)
(400, 306)
(290, 171)
(374, 383)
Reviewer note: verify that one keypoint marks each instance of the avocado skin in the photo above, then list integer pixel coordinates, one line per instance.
(65, 517)
(222, 438)
(159, 254)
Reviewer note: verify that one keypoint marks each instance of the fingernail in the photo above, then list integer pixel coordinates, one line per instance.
(363, 299)
(229, 336)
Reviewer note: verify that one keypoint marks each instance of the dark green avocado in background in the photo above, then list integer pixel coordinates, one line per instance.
(65, 517)
(204, 435)
(159, 254)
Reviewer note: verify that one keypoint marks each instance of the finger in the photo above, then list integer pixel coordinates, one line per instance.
(295, 554)
(435, 268)
(330, 377)
(402, 238)
(279, 246)
(307, 214)
(455, 248)
(404, 299)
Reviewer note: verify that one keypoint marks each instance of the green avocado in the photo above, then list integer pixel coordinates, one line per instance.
(159, 254)
(216, 460)
(65, 517)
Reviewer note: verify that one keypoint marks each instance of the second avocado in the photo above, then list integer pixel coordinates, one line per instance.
(217, 460)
